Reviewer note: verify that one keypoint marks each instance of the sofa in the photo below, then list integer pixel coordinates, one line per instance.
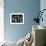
(39, 37)
(39, 33)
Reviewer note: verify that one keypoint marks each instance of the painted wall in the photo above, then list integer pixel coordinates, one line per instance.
(43, 6)
(1, 20)
(29, 8)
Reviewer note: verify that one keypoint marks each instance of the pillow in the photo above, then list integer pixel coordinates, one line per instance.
(21, 42)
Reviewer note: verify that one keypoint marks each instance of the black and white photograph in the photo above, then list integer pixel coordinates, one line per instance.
(16, 18)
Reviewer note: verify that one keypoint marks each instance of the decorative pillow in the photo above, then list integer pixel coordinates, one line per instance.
(21, 42)
(28, 40)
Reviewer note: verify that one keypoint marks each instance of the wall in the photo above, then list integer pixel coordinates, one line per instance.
(1, 20)
(43, 6)
(29, 8)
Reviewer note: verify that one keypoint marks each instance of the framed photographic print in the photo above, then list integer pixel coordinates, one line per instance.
(16, 18)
